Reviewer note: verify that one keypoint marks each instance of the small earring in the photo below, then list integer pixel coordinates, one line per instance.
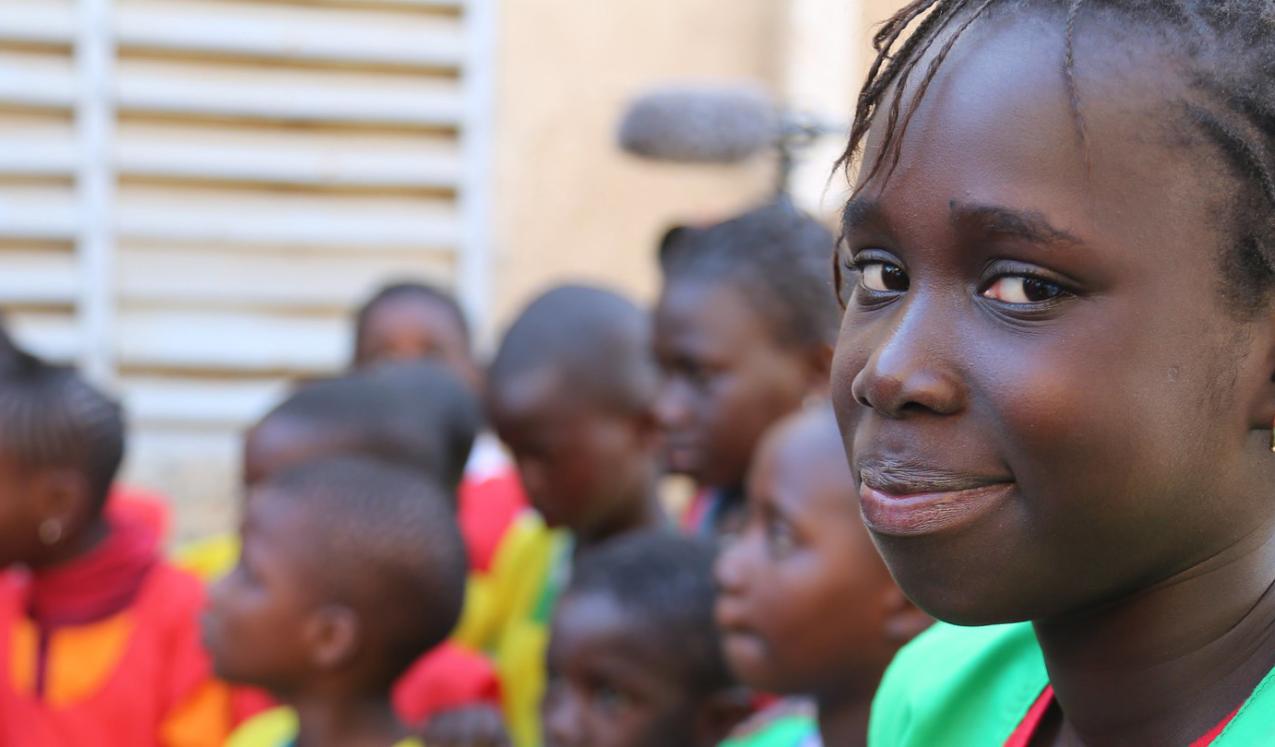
(50, 531)
(1273, 438)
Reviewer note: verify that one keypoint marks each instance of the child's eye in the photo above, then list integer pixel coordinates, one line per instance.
(1022, 289)
(610, 698)
(882, 277)
(781, 538)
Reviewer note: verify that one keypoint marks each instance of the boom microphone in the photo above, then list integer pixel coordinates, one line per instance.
(701, 124)
(718, 124)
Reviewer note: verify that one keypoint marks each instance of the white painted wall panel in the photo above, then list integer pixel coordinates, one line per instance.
(268, 163)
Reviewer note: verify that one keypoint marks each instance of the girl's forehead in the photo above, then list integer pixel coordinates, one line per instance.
(1012, 84)
(999, 127)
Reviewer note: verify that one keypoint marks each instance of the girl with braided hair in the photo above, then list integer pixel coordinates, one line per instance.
(1056, 369)
(99, 640)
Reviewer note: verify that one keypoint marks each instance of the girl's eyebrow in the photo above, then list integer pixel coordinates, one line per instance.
(1028, 225)
(859, 212)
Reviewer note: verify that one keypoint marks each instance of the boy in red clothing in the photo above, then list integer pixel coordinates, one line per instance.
(98, 635)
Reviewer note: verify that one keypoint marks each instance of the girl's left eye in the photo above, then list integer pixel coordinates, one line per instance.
(1022, 289)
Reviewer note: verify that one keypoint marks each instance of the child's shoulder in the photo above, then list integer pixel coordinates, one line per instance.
(173, 589)
(959, 686)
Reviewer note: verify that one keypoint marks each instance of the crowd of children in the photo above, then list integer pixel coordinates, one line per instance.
(1035, 422)
(403, 573)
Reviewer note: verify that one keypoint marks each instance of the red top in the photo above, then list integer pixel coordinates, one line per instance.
(450, 676)
(105, 650)
(488, 507)
(1022, 736)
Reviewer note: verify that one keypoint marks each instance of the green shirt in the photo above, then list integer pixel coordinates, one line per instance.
(788, 723)
(971, 687)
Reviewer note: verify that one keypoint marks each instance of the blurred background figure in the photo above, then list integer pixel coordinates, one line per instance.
(805, 605)
(195, 195)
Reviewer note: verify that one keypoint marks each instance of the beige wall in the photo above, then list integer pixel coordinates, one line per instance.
(568, 205)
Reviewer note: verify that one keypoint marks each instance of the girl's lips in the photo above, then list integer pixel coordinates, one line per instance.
(912, 514)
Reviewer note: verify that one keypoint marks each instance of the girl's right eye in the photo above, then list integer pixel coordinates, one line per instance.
(882, 277)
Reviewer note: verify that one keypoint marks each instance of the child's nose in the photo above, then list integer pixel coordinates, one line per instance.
(731, 569)
(672, 403)
(564, 723)
(907, 368)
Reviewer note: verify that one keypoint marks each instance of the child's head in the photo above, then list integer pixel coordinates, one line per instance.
(350, 570)
(570, 393)
(10, 354)
(743, 332)
(416, 414)
(1057, 356)
(634, 658)
(61, 444)
(413, 320)
(804, 602)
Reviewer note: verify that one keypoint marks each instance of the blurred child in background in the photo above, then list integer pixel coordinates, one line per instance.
(407, 321)
(805, 604)
(351, 570)
(413, 415)
(743, 331)
(414, 320)
(99, 639)
(634, 659)
(571, 393)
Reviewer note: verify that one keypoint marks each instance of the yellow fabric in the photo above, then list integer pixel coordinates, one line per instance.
(200, 721)
(508, 623)
(24, 656)
(278, 728)
(273, 728)
(210, 559)
(80, 658)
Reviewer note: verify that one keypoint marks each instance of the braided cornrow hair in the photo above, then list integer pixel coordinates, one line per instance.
(1227, 53)
(51, 417)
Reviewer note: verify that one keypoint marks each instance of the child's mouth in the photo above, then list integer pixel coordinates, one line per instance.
(909, 505)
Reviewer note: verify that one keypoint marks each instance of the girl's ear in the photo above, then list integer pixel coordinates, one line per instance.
(720, 713)
(903, 619)
(61, 496)
(332, 636)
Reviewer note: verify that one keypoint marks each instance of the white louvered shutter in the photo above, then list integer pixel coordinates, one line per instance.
(194, 194)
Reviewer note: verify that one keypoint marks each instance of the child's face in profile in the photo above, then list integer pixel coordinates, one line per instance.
(578, 462)
(255, 617)
(1037, 369)
(803, 597)
(725, 379)
(611, 684)
(409, 328)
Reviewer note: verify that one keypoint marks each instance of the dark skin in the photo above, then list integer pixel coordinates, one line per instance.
(280, 443)
(805, 604)
(613, 682)
(415, 327)
(727, 378)
(33, 497)
(587, 466)
(1043, 346)
(268, 624)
